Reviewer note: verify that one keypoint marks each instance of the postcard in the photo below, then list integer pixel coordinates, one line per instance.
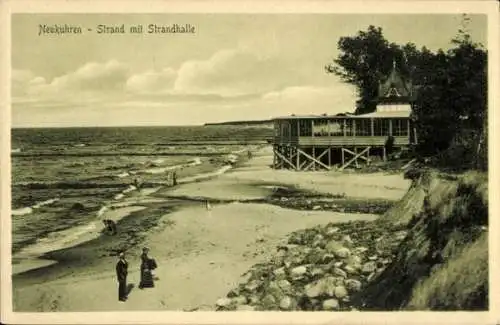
(249, 162)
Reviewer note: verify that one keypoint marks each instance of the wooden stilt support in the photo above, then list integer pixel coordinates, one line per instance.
(297, 153)
(384, 153)
(312, 158)
(329, 156)
(355, 158)
(354, 154)
(317, 159)
(343, 156)
(284, 159)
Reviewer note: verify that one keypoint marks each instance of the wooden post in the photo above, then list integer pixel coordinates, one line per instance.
(314, 156)
(345, 127)
(330, 156)
(385, 155)
(368, 156)
(408, 129)
(356, 159)
(312, 128)
(343, 156)
(390, 127)
(298, 157)
(372, 127)
(274, 157)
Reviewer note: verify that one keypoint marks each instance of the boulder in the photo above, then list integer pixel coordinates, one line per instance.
(330, 304)
(328, 258)
(369, 267)
(332, 230)
(240, 300)
(279, 272)
(333, 246)
(328, 285)
(287, 303)
(284, 285)
(252, 286)
(317, 272)
(253, 299)
(223, 302)
(347, 240)
(351, 269)
(353, 285)
(299, 271)
(342, 252)
(313, 290)
(339, 272)
(245, 308)
(268, 302)
(340, 292)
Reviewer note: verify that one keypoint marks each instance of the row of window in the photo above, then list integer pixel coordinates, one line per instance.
(363, 127)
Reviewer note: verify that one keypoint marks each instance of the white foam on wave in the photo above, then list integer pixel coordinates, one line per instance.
(16, 150)
(129, 189)
(28, 210)
(46, 202)
(22, 211)
(161, 170)
(101, 211)
(125, 174)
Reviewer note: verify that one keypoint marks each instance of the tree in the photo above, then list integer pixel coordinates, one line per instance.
(366, 59)
(451, 102)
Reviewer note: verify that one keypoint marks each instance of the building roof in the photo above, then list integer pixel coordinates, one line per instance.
(394, 86)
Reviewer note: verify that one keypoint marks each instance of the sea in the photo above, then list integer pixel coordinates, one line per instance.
(64, 178)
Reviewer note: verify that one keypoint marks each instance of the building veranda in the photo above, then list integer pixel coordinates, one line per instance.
(314, 142)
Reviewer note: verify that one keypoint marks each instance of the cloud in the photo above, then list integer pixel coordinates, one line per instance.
(91, 77)
(152, 81)
(339, 97)
(233, 72)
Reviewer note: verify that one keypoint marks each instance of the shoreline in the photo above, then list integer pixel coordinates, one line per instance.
(38, 256)
(186, 238)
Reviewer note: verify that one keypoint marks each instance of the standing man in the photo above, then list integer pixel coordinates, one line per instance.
(121, 273)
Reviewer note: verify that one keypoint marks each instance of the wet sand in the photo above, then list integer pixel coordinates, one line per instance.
(201, 253)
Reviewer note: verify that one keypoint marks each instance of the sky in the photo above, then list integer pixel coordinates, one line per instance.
(234, 67)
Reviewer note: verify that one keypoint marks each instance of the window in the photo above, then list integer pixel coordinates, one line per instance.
(337, 128)
(381, 127)
(363, 127)
(400, 127)
(305, 128)
(349, 128)
(320, 128)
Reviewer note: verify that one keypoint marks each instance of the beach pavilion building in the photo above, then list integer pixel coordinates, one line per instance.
(314, 142)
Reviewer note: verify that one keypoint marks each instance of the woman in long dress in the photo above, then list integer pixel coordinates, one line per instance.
(147, 266)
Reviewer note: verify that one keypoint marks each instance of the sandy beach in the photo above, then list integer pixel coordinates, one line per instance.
(202, 253)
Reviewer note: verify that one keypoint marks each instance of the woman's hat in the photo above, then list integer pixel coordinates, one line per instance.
(145, 249)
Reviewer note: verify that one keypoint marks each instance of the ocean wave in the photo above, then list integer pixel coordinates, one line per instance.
(22, 211)
(28, 210)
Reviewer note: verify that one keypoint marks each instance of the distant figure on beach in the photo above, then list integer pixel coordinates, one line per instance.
(249, 154)
(137, 183)
(207, 205)
(110, 226)
(147, 266)
(121, 274)
(174, 178)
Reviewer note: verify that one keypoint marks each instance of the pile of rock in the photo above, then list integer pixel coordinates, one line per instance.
(318, 269)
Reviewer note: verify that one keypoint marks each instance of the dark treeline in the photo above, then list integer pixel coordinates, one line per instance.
(450, 98)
